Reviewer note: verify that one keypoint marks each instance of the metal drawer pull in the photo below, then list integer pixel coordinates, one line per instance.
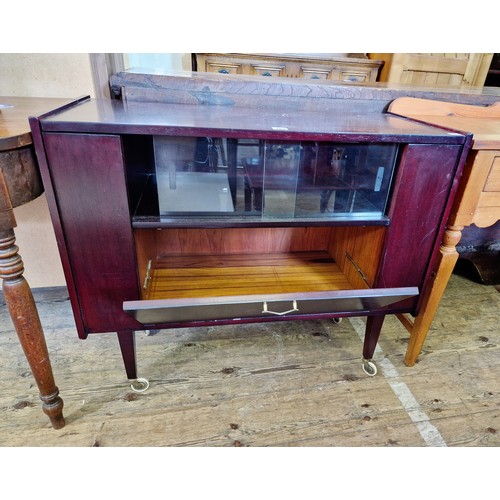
(295, 308)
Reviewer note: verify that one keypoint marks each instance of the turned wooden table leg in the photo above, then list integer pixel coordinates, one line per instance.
(24, 314)
(447, 259)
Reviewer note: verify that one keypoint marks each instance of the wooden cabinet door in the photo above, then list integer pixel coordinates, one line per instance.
(418, 211)
(452, 70)
(88, 181)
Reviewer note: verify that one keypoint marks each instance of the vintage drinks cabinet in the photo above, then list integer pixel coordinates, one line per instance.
(172, 215)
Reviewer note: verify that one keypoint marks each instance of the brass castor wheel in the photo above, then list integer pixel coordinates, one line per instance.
(369, 368)
(139, 385)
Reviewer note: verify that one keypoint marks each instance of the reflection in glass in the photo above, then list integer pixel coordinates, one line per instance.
(272, 179)
(188, 177)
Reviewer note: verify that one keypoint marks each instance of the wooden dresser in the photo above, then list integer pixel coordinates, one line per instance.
(317, 67)
(478, 199)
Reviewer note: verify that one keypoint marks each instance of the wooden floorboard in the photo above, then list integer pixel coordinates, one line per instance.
(285, 384)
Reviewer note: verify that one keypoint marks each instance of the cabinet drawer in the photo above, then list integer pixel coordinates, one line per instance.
(493, 179)
(223, 68)
(315, 73)
(268, 70)
(150, 312)
(354, 76)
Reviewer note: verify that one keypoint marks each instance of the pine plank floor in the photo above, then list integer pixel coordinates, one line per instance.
(284, 384)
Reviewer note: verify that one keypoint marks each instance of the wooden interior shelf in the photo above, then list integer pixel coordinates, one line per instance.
(195, 276)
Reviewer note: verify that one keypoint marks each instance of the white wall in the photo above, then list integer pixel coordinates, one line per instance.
(42, 75)
(45, 75)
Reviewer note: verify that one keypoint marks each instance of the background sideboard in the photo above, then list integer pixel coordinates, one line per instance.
(318, 67)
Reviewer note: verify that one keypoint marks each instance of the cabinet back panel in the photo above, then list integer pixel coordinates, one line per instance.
(242, 240)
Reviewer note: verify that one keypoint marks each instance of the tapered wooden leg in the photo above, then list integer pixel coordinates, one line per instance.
(372, 334)
(24, 314)
(447, 259)
(127, 346)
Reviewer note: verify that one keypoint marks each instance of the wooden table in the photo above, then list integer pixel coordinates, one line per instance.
(478, 198)
(20, 183)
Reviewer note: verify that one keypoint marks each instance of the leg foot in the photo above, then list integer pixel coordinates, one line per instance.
(139, 385)
(369, 367)
(52, 406)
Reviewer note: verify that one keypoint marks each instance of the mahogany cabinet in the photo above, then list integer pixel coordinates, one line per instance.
(175, 215)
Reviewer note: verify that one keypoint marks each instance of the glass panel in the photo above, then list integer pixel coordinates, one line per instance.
(272, 179)
(281, 173)
(344, 179)
(188, 176)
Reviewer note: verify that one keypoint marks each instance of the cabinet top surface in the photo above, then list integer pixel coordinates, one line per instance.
(114, 116)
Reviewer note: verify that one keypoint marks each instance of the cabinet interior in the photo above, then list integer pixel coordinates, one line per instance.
(214, 262)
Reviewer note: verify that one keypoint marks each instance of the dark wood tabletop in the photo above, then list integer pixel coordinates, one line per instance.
(14, 112)
(17, 156)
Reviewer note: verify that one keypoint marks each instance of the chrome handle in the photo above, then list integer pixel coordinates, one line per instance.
(265, 310)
